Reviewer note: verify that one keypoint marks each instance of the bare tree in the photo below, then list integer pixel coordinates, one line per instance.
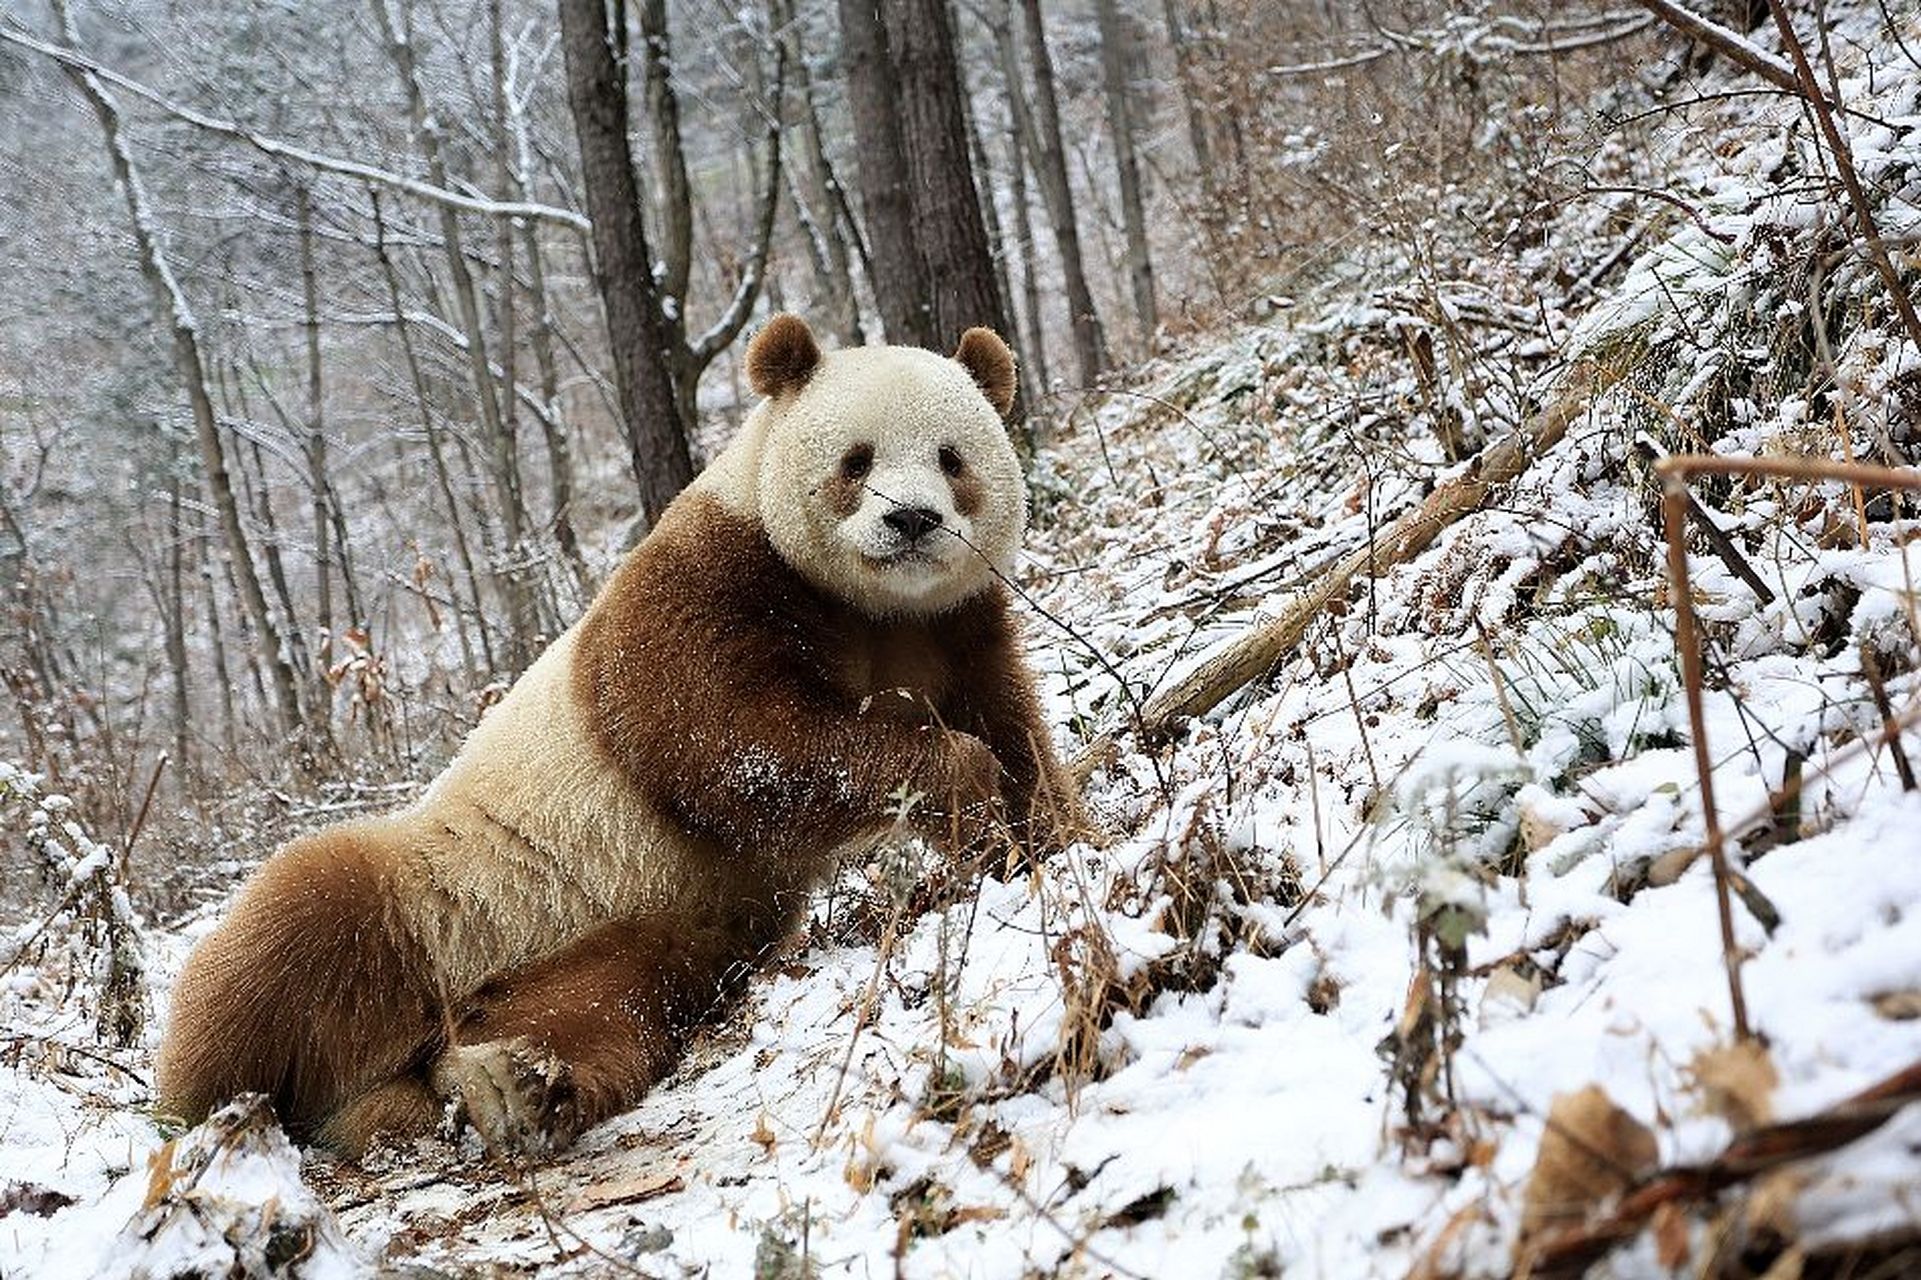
(491, 399)
(657, 365)
(1020, 130)
(688, 353)
(901, 287)
(623, 270)
(945, 206)
(1120, 123)
(819, 201)
(1189, 76)
(176, 316)
(1050, 158)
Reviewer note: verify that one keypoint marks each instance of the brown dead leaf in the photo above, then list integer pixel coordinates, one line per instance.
(762, 1135)
(647, 1186)
(1592, 1151)
(1770, 1205)
(1508, 986)
(159, 1174)
(975, 1213)
(1898, 1006)
(1737, 1083)
(1019, 1161)
(1673, 1243)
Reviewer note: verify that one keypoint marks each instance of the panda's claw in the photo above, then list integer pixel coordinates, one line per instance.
(518, 1097)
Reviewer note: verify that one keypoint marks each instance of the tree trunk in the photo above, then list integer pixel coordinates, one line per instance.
(1050, 159)
(496, 425)
(1020, 136)
(254, 491)
(676, 223)
(946, 212)
(174, 615)
(623, 270)
(560, 462)
(316, 434)
(1140, 267)
(560, 458)
(901, 287)
(1186, 72)
(442, 480)
(991, 220)
(817, 191)
(217, 641)
(176, 316)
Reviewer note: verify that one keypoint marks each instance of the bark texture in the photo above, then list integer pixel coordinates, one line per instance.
(597, 95)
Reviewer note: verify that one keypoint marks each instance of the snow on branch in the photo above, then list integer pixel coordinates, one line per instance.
(76, 61)
(1476, 39)
(1737, 47)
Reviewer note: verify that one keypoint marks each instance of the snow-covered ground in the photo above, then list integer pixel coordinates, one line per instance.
(1308, 1010)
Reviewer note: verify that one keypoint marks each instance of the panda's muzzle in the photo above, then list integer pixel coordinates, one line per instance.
(912, 523)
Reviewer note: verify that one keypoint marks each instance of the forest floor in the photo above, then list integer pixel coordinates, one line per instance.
(1401, 961)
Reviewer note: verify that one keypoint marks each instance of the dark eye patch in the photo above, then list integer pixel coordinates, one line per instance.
(950, 460)
(857, 461)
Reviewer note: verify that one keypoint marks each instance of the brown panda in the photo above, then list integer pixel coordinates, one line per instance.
(818, 621)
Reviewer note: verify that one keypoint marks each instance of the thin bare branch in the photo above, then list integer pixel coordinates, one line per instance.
(281, 150)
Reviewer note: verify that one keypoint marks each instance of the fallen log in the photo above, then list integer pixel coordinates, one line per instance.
(1241, 661)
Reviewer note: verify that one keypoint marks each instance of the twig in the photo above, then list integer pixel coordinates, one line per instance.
(146, 802)
(1500, 690)
(1844, 166)
(1688, 640)
(1890, 731)
(1571, 1251)
(863, 1012)
(1717, 537)
(1730, 44)
(1666, 197)
(1789, 468)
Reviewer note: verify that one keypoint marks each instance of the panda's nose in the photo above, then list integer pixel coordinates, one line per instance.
(912, 523)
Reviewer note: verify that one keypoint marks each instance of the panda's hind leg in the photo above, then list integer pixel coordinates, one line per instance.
(393, 1111)
(581, 1036)
(310, 991)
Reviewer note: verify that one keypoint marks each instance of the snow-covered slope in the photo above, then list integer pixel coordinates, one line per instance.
(1357, 929)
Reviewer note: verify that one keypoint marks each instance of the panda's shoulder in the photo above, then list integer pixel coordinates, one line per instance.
(705, 570)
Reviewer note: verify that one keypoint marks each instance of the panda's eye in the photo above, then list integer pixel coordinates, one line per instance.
(857, 462)
(950, 460)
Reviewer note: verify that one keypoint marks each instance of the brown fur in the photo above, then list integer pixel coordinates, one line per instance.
(986, 357)
(968, 492)
(309, 992)
(782, 356)
(768, 722)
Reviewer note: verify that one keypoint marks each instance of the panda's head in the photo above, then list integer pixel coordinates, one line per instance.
(884, 475)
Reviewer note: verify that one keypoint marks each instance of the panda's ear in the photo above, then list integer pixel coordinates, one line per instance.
(987, 359)
(782, 356)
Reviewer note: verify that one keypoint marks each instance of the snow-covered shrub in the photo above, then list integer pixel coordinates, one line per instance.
(90, 942)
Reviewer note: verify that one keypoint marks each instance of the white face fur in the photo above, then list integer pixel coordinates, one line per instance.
(887, 480)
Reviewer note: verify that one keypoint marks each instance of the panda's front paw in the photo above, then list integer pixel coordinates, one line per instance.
(518, 1097)
(967, 798)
